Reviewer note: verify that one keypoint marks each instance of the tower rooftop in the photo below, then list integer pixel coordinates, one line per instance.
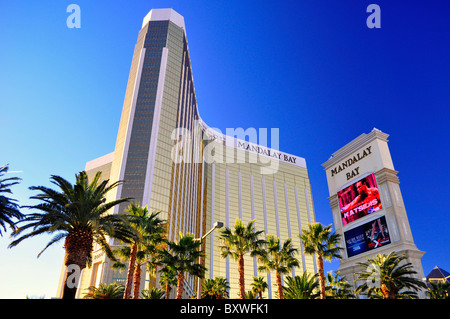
(164, 15)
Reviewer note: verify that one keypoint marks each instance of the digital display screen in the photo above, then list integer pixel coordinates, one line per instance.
(369, 236)
(359, 199)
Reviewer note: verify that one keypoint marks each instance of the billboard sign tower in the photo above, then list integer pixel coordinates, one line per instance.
(367, 205)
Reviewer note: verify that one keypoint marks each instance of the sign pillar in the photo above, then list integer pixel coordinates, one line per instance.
(367, 205)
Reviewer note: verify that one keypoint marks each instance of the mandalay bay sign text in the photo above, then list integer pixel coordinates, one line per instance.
(268, 152)
(236, 146)
(350, 161)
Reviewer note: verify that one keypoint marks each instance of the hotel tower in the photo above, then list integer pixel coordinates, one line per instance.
(171, 161)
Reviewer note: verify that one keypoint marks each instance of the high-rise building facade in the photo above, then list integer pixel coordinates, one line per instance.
(171, 161)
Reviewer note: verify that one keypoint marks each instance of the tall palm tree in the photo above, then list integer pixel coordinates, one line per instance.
(320, 241)
(301, 287)
(384, 277)
(123, 254)
(259, 285)
(9, 209)
(183, 255)
(146, 228)
(337, 287)
(78, 214)
(238, 242)
(279, 258)
(157, 242)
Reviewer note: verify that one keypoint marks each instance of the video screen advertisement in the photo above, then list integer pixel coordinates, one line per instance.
(369, 236)
(359, 199)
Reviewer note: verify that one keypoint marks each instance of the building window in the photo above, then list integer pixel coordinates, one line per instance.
(96, 271)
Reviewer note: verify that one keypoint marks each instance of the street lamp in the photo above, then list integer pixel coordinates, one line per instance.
(199, 283)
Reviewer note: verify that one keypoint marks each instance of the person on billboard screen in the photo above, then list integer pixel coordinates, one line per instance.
(378, 236)
(366, 202)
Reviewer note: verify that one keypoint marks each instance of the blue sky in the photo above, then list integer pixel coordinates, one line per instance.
(313, 69)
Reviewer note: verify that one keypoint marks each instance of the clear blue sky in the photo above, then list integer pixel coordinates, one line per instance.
(313, 69)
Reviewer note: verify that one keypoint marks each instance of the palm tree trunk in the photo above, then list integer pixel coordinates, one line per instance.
(137, 281)
(388, 293)
(260, 294)
(280, 286)
(70, 287)
(241, 277)
(78, 246)
(129, 283)
(167, 290)
(180, 284)
(321, 276)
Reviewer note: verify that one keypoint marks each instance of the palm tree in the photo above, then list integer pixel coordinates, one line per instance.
(439, 290)
(183, 256)
(301, 287)
(157, 242)
(104, 291)
(251, 294)
(238, 242)
(123, 254)
(145, 230)
(384, 277)
(154, 293)
(77, 213)
(337, 287)
(320, 241)
(216, 288)
(168, 278)
(278, 258)
(259, 285)
(9, 209)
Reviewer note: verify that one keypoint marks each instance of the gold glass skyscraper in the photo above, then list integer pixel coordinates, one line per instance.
(171, 161)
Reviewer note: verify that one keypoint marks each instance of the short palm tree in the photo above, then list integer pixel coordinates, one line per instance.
(259, 286)
(168, 278)
(384, 277)
(337, 287)
(145, 229)
(9, 209)
(78, 214)
(251, 294)
(320, 241)
(439, 290)
(154, 293)
(104, 291)
(183, 255)
(236, 243)
(216, 288)
(301, 287)
(279, 258)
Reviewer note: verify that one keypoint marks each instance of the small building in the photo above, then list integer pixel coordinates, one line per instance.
(438, 275)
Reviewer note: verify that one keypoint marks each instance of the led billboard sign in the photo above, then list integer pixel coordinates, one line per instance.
(368, 236)
(359, 199)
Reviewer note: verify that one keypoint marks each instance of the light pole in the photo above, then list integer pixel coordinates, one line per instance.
(199, 282)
